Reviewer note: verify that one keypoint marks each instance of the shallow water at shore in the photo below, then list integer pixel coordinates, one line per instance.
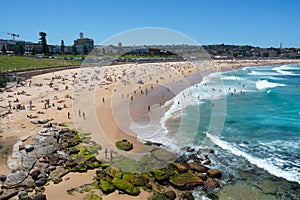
(260, 134)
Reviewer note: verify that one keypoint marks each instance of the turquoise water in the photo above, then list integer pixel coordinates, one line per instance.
(251, 115)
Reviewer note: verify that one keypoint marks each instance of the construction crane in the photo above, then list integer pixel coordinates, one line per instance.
(13, 35)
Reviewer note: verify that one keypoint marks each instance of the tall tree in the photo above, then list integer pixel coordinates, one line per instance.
(43, 41)
(62, 47)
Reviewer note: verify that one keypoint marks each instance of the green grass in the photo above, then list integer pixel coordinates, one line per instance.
(22, 63)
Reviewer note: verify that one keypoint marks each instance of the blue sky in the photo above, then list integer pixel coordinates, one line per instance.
(258, 22)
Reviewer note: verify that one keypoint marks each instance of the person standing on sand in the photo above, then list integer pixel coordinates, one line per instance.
(149, 108)
(83, 115)
(79, 113)
(69, 115)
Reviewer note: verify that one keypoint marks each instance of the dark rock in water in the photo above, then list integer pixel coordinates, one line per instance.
(185, 181)
(16, 178)
(2, 178)
(207, 162)
(198, 168)
(189, 149)
(40, 182)
(187, 196)
(211, 184)
(170, 194)
(40, 197)
(214, 173)
(23, 195)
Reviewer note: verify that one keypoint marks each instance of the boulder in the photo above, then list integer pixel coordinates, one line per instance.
(170, 194)
(214, 173)
(211, 184)
(23, 195)
(16, 178)
(35, 173)
(139, 180)
(202, 176)
(40, 197)
(125, 187)
(40, 182)
(2, 177)
(185, 181)
(113, 172)
(181, 168)
(28, 182)
(198, 168)
(106, 187)
(124, 145)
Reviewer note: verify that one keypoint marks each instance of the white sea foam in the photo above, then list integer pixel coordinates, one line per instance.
(261, 163)
(262, 73)
(232, 78)
(263, 84)
(284, 70)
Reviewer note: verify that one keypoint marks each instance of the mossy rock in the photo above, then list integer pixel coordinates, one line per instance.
(106, 187)
(92, 165)
(160, 175)
(185, 181)
(159, 196)
(140, 180)
(124, 145)
(128, 176)
(112, 172)
(125, 186)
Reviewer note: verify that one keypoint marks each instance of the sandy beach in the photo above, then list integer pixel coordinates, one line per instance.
(103, 101)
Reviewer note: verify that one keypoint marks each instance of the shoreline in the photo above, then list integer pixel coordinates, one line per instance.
(100, 111)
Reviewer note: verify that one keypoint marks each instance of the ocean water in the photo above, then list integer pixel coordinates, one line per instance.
(250, 116)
